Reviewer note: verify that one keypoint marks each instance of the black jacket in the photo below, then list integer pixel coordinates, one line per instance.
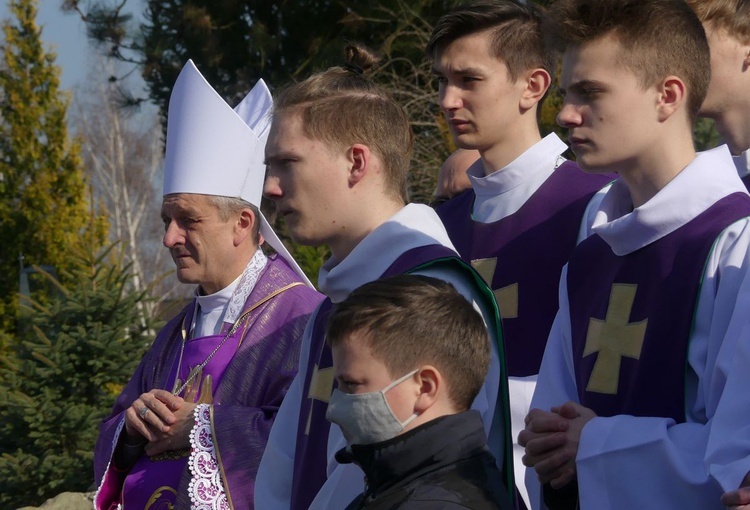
(444, 463)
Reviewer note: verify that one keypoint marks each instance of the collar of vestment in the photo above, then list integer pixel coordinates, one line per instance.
(503, 192)
(413, 226)
(708, 178)
(234, 295)
(535, 163)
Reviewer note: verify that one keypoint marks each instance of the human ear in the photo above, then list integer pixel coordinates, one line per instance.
(672, 97)
(537, 83)
(430, 385)
(360, 158)
(244, 226)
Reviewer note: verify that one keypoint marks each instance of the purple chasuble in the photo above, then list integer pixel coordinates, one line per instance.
(527, 250)
(252, 372)
(632, 315)
(310, 458)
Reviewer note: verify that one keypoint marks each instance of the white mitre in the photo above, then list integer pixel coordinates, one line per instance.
(214, 150)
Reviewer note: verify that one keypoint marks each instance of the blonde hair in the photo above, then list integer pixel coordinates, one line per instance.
(730, 15)
(341, 107)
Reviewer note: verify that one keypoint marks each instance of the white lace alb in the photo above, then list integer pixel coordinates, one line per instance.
(206, 489)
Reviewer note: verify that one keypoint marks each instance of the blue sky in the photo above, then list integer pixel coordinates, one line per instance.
(65, 34)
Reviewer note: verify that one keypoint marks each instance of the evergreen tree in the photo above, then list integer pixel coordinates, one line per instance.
(63, 377)
(234, 43)
(43, 204)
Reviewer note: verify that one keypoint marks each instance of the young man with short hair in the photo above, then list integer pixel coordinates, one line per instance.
(521, 220)
(337, 157)
(727, 24)
(403, 403)
(652, 301)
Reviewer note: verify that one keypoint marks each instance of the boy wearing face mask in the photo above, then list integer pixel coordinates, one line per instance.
(410, 355)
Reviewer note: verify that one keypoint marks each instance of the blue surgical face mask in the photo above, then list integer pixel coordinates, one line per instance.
(366, 418)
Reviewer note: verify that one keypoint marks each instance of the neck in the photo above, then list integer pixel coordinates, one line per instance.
(229, 274)
(206, 289)
(504, 152)
(369, 216)
(438, 409)
(654, 168)
(734, 128)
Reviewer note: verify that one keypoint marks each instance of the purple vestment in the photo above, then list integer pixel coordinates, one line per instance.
(530, 246)
(644, 304)
(310, 458)
(746, 182)
(250, 382)
(153, 482)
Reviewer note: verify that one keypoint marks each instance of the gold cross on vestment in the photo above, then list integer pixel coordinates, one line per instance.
(321, 386)
(506, 297)
(614, 338)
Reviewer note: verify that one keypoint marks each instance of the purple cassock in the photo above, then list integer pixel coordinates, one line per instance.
(250, 373)
(632, 315)
(310, 458)
(529, 249)
(746, 182)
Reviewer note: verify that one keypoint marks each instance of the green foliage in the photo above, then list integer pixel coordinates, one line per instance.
(705, 135)
(68, 363)
(43, 204)
(235, 43)
(310, 258)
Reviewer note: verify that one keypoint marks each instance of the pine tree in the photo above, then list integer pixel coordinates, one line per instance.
(70, 364)
(43, 193)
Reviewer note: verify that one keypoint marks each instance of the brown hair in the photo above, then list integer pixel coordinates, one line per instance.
(516, 33)
(658, 38)
(341, 107)
(730, 15)
(412, 320)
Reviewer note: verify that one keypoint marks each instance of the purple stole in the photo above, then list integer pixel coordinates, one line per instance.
(529, 249)
(631, 316)
(154, 482)
(310, 458)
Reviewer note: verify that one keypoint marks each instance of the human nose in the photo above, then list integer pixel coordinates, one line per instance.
(272, 187)
(173, 235)
(450, 97)
(569, 115)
